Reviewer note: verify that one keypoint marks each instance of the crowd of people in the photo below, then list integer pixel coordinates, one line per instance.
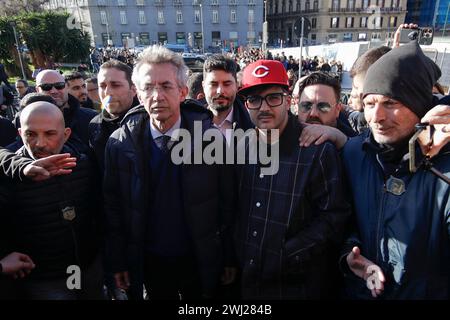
(104, 173)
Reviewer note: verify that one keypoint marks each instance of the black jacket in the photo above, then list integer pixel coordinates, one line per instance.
(37, 218)
(207, 201)
(100, 128)
(8, 132)
(241, 117)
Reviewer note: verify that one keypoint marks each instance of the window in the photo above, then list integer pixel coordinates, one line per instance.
(351, 5)
(389, 35)
(395, 4)
(335, 5)
(233, 16)
(215, 16)
(251, 16)
(196, 16)
(314, 23)
(181, 37)
(121, 3)
(103, 18)
(362, 36)
(214, 2)
(123, 17)
(349, 22)
(392, 21)
(160, 17)
(363, 22)
(140, 2)
(378, 22)
(332, 37)
(101, 2)
(251, 2)
(334, 23)
(232, 2)
(179, 16)
(306, 5)
(376, 36)
(365, 4)
(142, 19)
(316, 5)
(348, 36)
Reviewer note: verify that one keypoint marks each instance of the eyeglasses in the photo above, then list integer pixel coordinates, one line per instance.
(272, 100)
(49, 86)
(306, 106)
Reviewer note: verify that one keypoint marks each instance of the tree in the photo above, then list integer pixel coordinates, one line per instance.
(47, 36)
(11, 7)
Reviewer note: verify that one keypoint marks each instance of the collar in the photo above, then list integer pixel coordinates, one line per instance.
(228, 118)
(156, 133)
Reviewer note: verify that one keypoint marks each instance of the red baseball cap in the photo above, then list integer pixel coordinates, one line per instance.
(264, 72)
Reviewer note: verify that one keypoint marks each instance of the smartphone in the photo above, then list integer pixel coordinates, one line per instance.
(423, 35)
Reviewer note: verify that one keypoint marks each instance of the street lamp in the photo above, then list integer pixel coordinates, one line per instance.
(203, 34)
(265, 29)
(13, 25)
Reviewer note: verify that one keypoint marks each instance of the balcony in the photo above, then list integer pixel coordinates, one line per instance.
(293, 14)
(364, 10)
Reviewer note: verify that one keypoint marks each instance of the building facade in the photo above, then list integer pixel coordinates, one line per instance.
(225, 23)
(430, 13)
(334, 20)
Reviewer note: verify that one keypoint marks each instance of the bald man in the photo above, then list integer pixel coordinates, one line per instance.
(53, 221)
(42, 129)
(77, 118)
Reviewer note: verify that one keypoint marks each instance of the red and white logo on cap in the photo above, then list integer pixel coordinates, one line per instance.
(260, 71)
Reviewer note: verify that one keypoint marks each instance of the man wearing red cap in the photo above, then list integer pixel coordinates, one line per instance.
(288, 222)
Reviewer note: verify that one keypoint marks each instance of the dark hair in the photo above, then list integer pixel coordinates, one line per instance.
(92, 80)
(194, 85)
(24, 82)
(220, 62)
(73, 76)
(367, 59)
(321, 78)
(116, 64)
(35, 97)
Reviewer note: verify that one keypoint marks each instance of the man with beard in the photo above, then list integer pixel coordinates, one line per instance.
(220, 87)
(319, 104)
(77, 87)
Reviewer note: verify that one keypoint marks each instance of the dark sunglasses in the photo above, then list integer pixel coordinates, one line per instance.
(49, 86)
(306, 106)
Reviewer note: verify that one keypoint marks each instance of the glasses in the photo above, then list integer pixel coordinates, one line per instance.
(306, 106)
(49, 86)
(272, 100)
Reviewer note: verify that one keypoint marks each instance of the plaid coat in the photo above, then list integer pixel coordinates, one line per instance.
(289, 222)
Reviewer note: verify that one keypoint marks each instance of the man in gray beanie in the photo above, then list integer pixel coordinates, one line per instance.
(401, 241)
